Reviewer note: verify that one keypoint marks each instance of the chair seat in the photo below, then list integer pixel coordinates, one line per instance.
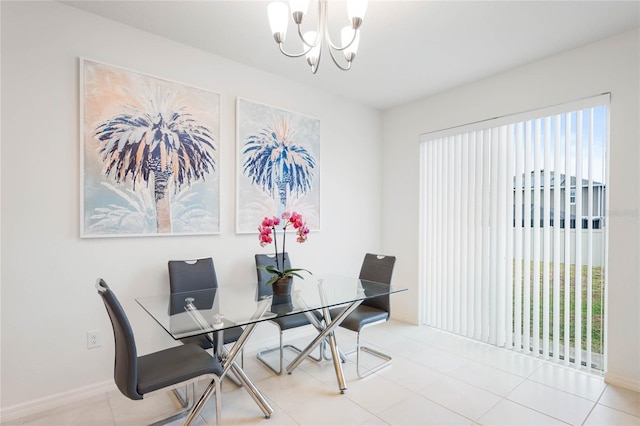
(187, 361)
(295, 320)
(360, 317)
(230, 336)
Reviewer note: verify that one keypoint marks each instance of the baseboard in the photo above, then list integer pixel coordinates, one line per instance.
(54, 401)
(622, 381)
(403, 318)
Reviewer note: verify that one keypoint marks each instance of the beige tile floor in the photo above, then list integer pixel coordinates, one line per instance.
(435, 379)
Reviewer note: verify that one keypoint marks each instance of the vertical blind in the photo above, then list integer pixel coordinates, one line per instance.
(513, 247)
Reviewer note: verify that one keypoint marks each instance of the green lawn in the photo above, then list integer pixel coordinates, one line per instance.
(597, 308)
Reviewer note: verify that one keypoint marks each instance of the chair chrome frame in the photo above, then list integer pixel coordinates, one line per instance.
(187, 402)
(263, 259)
(261, 355)
(127, 366)
(386, 359)
(202, 274)
(378, 268)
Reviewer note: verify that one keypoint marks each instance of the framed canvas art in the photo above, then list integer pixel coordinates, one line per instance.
(149, 155)
(278, 165)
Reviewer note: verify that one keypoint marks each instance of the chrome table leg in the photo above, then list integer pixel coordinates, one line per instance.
(330, 325)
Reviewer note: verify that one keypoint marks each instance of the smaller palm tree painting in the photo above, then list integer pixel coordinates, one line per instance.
(149, 154)
(279, 164)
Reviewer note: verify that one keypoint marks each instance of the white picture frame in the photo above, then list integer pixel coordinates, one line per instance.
(274, 144)
(149, 155)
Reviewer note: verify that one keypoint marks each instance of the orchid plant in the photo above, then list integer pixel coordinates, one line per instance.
(267, 235)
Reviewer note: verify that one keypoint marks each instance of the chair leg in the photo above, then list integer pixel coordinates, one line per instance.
(386, 359)
(260, 355)
(186, 402)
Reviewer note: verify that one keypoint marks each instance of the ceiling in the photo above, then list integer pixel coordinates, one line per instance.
(408, 49)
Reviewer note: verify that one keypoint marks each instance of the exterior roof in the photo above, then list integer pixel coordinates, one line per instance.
(562, 180)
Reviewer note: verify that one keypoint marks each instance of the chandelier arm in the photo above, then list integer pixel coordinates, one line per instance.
(315, 42)
(307, 46)
(293, 55)
(333, 48)
(335, 61)
(346, 46)
(325, 28)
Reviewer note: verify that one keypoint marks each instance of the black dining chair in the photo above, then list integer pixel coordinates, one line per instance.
(137, 376)
(200, 274)
(372, 311)
(283, 323)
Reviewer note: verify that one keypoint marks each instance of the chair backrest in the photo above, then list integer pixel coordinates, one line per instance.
(192, 275)
(125, 370)
(378, 268)
(264, 276)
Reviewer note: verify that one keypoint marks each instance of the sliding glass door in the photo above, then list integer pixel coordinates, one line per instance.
(513, 240)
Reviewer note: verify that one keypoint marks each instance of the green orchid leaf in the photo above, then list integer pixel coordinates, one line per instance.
(272, 280)
(289, 271)
(277, 274)
(295, 274)
(271, 269)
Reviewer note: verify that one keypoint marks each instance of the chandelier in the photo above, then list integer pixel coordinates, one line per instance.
(314, 41)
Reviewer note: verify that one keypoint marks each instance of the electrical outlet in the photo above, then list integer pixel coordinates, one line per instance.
(94, 339)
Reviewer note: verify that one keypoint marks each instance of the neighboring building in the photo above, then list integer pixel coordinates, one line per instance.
(597, 204)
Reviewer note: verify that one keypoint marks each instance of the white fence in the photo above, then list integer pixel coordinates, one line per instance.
(597, 244)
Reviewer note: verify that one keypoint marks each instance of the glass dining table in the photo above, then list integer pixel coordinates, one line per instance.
(204, 312)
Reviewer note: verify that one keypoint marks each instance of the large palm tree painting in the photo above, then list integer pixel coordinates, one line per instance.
(154, 151)
(278, 165)
(278, 161)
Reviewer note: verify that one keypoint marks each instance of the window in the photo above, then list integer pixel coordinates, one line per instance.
(501, 239)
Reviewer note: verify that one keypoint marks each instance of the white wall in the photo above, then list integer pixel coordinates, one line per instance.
(610, 65)
(48, 301)
(48, 272)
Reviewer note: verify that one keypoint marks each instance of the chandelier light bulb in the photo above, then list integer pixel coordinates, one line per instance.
(348, 36)
(278, 20)
(299, 9)
(314, 53)
(356, 10)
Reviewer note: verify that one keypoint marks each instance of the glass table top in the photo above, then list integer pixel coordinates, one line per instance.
(203, 311)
